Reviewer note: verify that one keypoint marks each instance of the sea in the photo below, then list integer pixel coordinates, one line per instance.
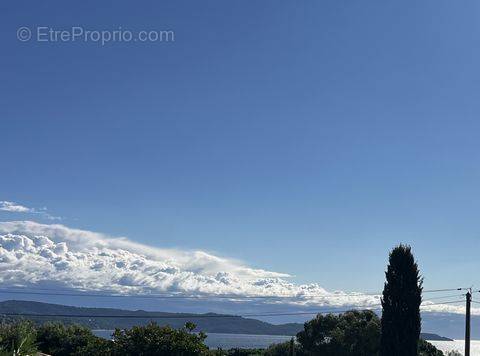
(457, 345)
(227, 341)
(246, 341)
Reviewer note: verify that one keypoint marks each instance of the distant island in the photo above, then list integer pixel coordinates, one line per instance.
(107, 318)
(434, 337)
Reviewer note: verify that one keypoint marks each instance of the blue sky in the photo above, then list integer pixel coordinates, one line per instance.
(306, 138)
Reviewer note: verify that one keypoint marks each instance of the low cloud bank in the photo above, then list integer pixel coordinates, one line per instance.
(56, 256)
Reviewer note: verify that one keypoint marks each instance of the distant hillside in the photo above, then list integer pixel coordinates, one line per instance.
(101, 318)
(434, 337)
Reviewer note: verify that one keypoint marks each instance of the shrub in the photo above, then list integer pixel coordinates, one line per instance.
(153, 339)
(18, 339)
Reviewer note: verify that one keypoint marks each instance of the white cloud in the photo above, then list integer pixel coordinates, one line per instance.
(13, 207)
(34, 254)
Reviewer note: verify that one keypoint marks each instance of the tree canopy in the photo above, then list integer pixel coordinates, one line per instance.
(75, 340)
(153, 339)
(354, 333)
(402, 296)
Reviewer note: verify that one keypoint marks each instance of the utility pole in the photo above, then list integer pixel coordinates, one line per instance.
(467, 322)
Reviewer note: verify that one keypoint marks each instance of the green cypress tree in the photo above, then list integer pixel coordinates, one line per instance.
(402, 296)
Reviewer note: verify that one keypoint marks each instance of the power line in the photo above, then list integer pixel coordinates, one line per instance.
(369, 307)
(157, 296)
(443, 290)
(127, 316)
(198, 316)
(335, 311)
(449, 302)
(186, 316)
(223, 296)
(445, 296)
(145, 296)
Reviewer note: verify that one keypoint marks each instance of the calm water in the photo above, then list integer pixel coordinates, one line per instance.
(228, 341)
(458, 345)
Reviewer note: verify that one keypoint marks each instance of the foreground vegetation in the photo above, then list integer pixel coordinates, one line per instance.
(355, 333)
